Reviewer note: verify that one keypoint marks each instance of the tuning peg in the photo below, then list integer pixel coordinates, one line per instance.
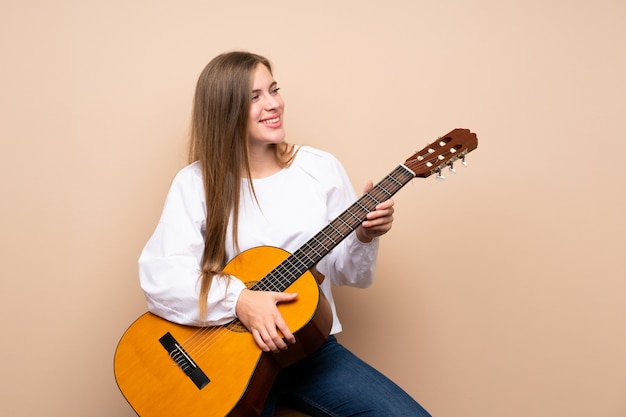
(451, 168)
(463, 161)
(440, 176)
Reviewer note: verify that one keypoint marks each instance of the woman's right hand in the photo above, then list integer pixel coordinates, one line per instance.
(258, 312)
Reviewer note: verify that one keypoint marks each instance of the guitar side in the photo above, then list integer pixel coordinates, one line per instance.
(240, 374)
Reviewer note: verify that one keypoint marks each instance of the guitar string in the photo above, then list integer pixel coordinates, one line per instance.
(325, 237)
(202, 339)
(203, 334)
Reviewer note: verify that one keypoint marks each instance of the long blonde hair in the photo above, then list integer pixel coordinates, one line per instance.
(219, 141)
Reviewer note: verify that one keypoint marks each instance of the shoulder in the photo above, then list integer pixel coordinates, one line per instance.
(321, 167)
(188, 176)
(313, 158)
(191, 171)
(188, 180)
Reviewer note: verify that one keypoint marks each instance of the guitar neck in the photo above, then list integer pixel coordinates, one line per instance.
(427, 161)
(330, 236)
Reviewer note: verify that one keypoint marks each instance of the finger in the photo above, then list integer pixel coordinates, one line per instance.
(376, 221)
(377, 227)
(275, 339)
(256, 335)
(381, 214)
(384, 207)
(368, 186)
(272, 340)
(284, 329)
(285, 297)
(280, 322)
(277, 343)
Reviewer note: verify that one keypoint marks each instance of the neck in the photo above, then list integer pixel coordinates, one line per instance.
(263, 161)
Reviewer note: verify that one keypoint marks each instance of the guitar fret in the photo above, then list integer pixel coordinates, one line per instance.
(292, 271)
(383, 189)
(353, 215)
(330, 238)
(313, 249)
(346, 217)
(363, 208)
(311, 260)
(280, 276)
(336, 230)
(303, 265)
(344, 222)
(320, 243)
(283, 280)
(375, 200)
(394, 180)
(267, 283)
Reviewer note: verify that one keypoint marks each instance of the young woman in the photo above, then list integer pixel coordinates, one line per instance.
(246, 187)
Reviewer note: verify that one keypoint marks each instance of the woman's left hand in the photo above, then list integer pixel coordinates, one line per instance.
(378, 221)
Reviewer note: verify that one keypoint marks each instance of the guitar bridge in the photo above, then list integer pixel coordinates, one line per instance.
(184, 361)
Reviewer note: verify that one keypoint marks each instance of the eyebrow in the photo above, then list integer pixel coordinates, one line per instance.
(273, 84)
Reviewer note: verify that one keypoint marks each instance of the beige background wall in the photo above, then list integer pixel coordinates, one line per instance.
(500, 292)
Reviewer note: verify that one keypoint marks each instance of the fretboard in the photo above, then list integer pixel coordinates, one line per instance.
(330, 236)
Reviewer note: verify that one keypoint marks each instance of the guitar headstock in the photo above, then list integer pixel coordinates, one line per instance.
(441, 153)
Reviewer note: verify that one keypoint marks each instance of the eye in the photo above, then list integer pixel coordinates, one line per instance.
(275, 90)
(255, 97)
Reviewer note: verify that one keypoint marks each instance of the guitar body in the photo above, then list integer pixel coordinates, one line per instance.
(239, 374)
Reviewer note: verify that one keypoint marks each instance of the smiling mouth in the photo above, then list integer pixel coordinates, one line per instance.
(271, 121)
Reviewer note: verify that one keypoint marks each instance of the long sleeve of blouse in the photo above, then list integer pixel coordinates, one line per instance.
(290, 207)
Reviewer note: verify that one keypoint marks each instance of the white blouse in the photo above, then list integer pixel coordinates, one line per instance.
(293, 205)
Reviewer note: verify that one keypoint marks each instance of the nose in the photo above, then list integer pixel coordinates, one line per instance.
(271, 102)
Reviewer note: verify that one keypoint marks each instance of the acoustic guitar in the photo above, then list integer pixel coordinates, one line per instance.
(169, 370)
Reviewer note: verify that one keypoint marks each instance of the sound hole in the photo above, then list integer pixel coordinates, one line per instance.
(236, 326)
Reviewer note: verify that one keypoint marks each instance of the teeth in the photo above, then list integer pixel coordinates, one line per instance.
(269, 121)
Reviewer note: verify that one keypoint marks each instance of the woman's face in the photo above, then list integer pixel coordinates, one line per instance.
(265, 123)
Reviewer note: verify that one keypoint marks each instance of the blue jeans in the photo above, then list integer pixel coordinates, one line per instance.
(333, 382)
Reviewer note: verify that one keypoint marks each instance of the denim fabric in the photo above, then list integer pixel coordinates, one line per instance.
(333, 382)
